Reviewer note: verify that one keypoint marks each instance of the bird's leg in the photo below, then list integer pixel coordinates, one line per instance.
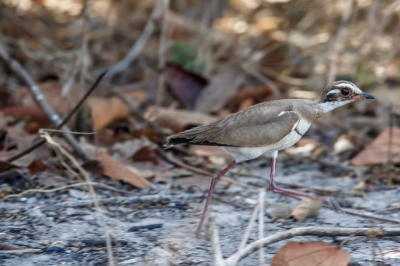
(214, 181)
(331, 202)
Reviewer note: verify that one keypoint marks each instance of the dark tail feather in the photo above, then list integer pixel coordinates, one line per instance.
(171, 141)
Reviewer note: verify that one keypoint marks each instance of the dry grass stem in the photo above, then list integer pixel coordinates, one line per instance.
(61, 150)
(261, 197)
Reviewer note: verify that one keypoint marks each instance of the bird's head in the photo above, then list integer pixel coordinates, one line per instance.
(340, 93)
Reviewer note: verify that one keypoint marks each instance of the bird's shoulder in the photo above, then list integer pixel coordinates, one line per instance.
(266, 112)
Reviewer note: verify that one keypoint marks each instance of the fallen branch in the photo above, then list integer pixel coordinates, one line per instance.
(65, 121)
(122, 200)
(41, 101)
(305, 231)
(139, 44)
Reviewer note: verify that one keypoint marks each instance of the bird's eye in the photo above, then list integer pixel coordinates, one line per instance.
(345, 91)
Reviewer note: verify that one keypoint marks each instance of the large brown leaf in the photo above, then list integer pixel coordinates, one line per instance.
(116, 170)
(221, 87)
(106, 111)
(310, 254)
(377, 152)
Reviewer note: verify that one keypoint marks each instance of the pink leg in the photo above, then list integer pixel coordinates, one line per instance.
(333, 204)
(214, 181)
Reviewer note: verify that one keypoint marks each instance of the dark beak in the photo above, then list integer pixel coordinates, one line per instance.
(364, 95)
(367, 96)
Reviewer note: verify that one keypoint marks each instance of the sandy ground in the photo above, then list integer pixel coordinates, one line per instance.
(74, 236)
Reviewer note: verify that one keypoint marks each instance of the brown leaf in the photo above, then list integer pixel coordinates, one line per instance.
(377, 151)
(221, 87)
(37, 166)
(247, 97)
(310, 254)
(306, 208)
(4, 166)
(178, 120)
(106, 111)
(184, 85)
(116, 170)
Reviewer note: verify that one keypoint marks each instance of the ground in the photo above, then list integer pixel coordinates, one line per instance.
(74, 236)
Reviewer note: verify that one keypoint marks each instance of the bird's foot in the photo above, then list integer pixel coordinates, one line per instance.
(334, 205)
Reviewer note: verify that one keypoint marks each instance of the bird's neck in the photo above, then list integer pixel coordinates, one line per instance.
(326, 107)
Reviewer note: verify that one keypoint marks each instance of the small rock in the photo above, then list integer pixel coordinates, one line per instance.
(77, 193)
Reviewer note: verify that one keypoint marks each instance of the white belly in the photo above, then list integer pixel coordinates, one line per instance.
(248, 153)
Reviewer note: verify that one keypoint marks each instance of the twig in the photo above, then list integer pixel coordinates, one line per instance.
(309, 231)
(369, 216)
(161, 57)
(337, 45)
(249, 227)
(218, 259)
(84, 47)
(20, 251)
(63, 187)
(139, 44)
(261, 224)
(66, 119)
(122, 200)
(41, 101)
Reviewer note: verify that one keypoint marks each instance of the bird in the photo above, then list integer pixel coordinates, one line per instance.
(265, 129)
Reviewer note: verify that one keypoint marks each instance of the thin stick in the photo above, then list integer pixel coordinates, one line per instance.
(308, 231)
(261, 197)
(216, 248)
(66, 119)
(249, 227)
(161, 57)
(139, 44)
(21, 251)
(41, 101)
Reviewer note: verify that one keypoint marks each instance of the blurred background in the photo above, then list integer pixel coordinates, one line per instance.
(198, 60)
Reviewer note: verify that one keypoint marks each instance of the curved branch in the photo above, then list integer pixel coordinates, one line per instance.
(309, 231)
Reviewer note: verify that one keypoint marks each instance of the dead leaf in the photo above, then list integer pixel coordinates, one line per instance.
(37, 166)
(178, 120)
(310, 254)
(128, 148)
(4, 166)
(185, 86)
(116, 170)
(306, 208)
(221, 87)
(93, 167)
(377, 151)
(248, 96)
(106, 111)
